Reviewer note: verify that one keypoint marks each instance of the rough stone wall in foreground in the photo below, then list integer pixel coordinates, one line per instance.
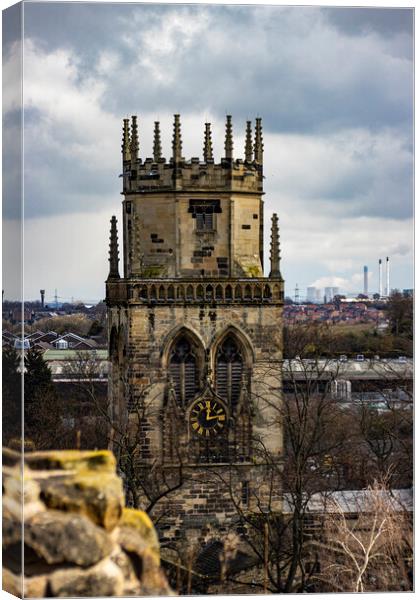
(78, 538)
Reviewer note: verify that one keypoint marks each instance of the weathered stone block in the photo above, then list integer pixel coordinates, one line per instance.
(58, 537)
(72, 502)
(97, 495)
(104, 579)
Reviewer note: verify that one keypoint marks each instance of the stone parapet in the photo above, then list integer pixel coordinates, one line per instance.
(193, 175)
(65, 510)
(191, 290)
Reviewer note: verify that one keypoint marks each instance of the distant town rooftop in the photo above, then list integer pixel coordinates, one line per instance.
(353, 501)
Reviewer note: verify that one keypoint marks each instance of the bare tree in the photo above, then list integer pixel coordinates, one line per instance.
(326, 447)
(147, 483)
(315, 430)
(369, 550)
(385, 415)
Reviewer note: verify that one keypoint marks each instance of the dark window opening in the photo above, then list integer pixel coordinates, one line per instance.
(183, 369)
(245, 493)
(203, 212)
(229, 369)
(204, 221)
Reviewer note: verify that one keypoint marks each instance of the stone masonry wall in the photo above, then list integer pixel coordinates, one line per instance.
(212, 498)
(78, 538)
(203, 498)
(151, 330)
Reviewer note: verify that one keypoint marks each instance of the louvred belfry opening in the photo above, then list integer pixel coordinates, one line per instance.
(229, 368)
(183, 369)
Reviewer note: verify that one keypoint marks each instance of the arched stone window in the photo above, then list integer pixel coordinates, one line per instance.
(184, 370)
(229, 369)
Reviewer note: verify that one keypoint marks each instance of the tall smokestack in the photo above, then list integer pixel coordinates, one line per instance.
(365, 280)
(42, 292)
(387, 277)
(380, 278)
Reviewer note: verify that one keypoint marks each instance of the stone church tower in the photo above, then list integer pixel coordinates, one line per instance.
(195, 329)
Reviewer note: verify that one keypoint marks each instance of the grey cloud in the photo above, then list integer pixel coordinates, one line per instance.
(385, 21)
(11, 165)
(11, 27)
(306, 70)
(58, 182)
(275, 59)
(283, 63)
(401, 249)
(60, 185)
(290, 89)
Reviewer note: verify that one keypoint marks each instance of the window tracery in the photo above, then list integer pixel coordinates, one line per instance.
(229, 370)
(183, 370)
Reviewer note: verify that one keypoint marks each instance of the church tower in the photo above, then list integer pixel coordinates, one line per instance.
(195, 328)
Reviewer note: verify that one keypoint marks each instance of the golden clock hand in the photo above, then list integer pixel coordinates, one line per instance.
(214, 417)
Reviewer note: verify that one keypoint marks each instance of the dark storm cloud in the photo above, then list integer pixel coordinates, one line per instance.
(356, 21)
(88, 27)
(285, 61)
(11, 27)
(58, 182)
(307, 71)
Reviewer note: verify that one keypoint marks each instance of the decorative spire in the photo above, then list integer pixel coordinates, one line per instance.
(275, 248)
(113, 251)
(157, 147)
(228, 138)
(258, 144)
(208, 147)
(126, 140)
(176, 140)
(134, 142)
(248, 142)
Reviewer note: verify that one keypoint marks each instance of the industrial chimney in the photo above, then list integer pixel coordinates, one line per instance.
(387, 277)
(42, 292)
(380, 278)
(365, 280)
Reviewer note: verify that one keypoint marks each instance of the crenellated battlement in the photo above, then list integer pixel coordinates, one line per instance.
(156, 174)
(194, 218)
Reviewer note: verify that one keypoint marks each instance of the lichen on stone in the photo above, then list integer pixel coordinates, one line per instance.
(79, 539)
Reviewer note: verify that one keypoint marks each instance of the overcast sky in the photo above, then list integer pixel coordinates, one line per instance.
(334, 89)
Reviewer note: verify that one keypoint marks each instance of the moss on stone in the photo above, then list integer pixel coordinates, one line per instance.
(97, 495)
(253, 271)
(72, 460)
(153, 271)
(140, 521)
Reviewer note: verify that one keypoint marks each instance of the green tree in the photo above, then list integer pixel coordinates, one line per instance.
(37, 374)
(11, 389)
(41, 408)
(400, 313)
(95, 329)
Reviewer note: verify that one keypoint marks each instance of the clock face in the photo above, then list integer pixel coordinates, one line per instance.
(207, 417)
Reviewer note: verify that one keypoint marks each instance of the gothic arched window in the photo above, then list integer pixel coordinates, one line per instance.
(229, 369)
(183, 369)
